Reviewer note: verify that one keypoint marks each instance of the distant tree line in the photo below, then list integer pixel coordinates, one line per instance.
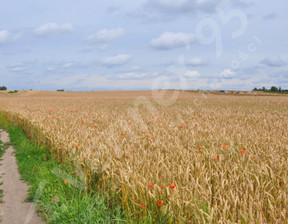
(273, 89)
(3, 88)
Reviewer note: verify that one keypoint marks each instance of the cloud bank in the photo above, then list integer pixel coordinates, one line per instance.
(105, 36)
(170, 40)
(53, 28)
(117, 60)
(7, 37)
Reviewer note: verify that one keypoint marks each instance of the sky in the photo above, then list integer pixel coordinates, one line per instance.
(144, 44)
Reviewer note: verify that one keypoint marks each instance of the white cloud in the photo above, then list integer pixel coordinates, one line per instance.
(135, 68)
(170, 3)
(49, 69)
(17, 68)
(106, 35)
(126, 81)
(274, 61)
(104, 47)
(242, 3)
(182, 6)
(196, 61)
(232, 84)
(166, 10)
(192, 74)
(227, 73)
(6, 36)
(169, 40)
(68, 65)
(117, 60)
(134, 75)
(53, 28)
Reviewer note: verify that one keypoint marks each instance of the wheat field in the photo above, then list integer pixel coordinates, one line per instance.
(197, 157)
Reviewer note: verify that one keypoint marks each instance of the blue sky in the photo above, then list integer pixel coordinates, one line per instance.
(144, 44)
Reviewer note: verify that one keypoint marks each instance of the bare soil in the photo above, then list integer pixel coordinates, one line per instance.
(14, 209)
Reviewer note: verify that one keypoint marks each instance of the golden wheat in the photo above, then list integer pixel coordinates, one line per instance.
(226, 155)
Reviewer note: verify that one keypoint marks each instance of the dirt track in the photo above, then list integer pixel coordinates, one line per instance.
(14, 209)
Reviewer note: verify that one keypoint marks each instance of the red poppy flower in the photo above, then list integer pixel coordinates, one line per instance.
(144, 132)
(172, 186)
(181, 126)
(150, 185)
(160, 203)
(242, 151)
(200, 147)
(45, 159)
(65, 182)
(75, 171)
(76, 145)
(152, 137)
(216, 159)
(53, 199)
(82, 122)
(143, 205)
(92, 126)
(122, 134)
(159, 121)
(252, 157)
(162, 186)
(224, 146)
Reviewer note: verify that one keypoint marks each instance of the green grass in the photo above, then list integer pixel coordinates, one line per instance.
(58, 202)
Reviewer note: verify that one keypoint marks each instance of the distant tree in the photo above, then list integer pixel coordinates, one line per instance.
(60, 90)
(3, 88)
(274, 89)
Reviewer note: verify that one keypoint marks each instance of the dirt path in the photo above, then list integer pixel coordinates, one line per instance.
(14, 209)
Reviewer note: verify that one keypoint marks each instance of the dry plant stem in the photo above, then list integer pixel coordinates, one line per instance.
(181, 144)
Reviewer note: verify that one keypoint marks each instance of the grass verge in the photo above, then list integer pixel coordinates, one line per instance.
(2, 150)
(56, 189)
